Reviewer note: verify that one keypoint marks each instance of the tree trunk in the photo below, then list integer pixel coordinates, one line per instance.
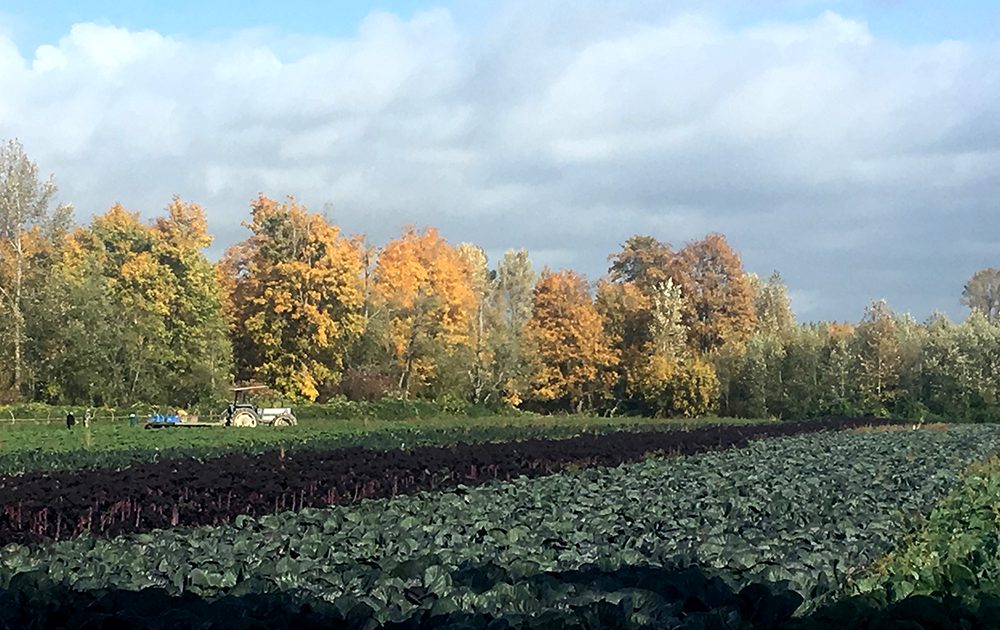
(18, 314)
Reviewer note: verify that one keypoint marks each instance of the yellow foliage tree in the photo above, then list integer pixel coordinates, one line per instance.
(174, 347)
(658, 374)
(139, 286)
(678, 386)
(424, 286)
(576, 361)
(295, 298)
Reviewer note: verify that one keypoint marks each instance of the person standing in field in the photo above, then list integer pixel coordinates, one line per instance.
(70, 419)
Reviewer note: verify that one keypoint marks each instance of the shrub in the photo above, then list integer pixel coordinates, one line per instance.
(361, 384)
(688, 387)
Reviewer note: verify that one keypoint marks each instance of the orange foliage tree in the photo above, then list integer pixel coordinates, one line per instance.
(575, 359)
(719, 294)
(295, 298)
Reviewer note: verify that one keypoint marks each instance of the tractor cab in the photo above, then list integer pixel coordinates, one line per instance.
(245, 413)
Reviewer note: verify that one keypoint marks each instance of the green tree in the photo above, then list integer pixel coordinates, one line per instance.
(510, 306)
(982, 293)
(912, 340)
(78, 341)
(961, 367)
(772, 306)
(803, 352)
(25, 205)
(837, 372)
(879, 358)
(505, 356)
(481, 280)
(759, 384)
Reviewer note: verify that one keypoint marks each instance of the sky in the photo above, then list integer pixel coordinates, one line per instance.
(852, 145)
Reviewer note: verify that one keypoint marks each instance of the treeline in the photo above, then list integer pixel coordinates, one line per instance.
(121, 311)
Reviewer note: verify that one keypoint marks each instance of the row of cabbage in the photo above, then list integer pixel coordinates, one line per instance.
(803, 515)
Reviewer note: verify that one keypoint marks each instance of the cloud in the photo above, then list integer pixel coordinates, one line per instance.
(857, 166)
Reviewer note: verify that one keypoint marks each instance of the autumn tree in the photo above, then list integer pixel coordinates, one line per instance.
(370, 363)
(575, 361)
(424, 287)
(627, 318)
(155, 279)
(297, 298)
(671, 379)
(719, 294)
(644, 309)
(982, 293)
(643, 261)
(201, 356)
(25, 206)
(140, 288)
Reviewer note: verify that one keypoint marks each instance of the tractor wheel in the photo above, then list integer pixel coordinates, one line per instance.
(243, 418)
(285, 420)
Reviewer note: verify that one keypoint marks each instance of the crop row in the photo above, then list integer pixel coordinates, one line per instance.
(806, 511)
(117, 446)
(40, 506)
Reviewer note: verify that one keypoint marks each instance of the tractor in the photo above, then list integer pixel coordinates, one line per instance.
(243, 413)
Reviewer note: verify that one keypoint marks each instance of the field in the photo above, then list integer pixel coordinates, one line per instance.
(513, 522)
(106, 435)
(28, 446)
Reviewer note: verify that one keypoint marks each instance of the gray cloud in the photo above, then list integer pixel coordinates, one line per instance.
(860, 168)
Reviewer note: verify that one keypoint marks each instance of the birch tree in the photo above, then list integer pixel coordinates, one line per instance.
(25, 204)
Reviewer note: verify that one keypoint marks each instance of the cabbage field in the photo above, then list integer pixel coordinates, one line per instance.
(822, 524)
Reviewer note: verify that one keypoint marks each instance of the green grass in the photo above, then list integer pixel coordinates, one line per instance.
(109, 442)
(109, 436)
(27, 446)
